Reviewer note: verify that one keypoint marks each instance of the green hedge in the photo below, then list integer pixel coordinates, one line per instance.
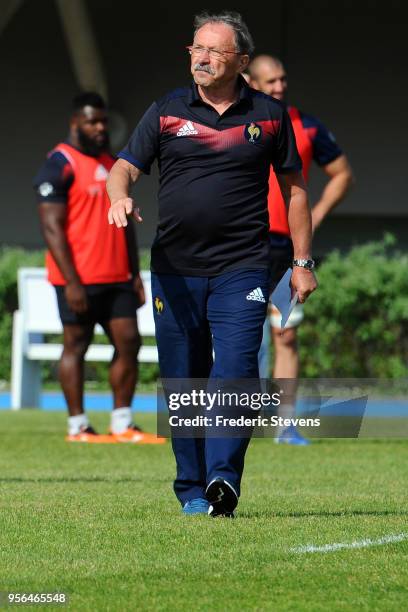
(356, 324)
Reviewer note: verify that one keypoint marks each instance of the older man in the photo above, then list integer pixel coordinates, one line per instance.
(215, 142)
(314, 143)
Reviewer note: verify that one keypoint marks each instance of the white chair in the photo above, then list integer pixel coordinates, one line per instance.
(38, 316)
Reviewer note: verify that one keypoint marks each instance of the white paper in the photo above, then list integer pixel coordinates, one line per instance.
(282, 298)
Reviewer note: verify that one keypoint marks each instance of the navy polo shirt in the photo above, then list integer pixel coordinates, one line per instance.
(214, 171)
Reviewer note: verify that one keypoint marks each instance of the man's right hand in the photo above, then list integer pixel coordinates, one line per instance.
(119, 211)
(76, 297)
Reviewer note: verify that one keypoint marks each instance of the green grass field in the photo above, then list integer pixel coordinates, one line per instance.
(102, 524)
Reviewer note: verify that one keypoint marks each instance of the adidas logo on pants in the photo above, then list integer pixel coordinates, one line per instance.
(256, 295)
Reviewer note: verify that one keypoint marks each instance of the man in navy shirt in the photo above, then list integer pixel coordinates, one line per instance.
(214, 142)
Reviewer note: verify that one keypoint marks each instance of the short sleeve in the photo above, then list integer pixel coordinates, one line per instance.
(143, 146)
(54, 179)
(285, 158)
(325, 147)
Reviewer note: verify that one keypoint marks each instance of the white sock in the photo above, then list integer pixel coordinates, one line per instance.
(77, 423)
(121, 419)
(286, 411)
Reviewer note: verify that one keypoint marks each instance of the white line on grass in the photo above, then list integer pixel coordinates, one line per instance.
(391, 539)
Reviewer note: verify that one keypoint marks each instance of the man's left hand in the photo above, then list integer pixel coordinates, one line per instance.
(303, 282)
(139, 289)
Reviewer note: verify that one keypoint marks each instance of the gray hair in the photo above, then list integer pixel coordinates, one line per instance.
(243, 39)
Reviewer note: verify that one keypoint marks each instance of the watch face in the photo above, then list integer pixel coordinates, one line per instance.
(309, 264)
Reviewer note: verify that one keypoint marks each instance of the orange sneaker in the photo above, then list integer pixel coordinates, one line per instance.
(134, 435)
(90, 436)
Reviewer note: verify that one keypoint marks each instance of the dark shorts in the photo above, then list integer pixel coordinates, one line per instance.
(281, 256)
(106, 301)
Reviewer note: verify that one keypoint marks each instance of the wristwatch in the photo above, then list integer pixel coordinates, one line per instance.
(309, 264)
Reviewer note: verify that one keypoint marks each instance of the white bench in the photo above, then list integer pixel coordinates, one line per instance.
(37, 316)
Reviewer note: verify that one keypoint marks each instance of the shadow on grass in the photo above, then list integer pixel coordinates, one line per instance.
(95, 479)
(323, 513)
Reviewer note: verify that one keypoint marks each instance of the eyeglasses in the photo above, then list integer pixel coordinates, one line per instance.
(214, 53)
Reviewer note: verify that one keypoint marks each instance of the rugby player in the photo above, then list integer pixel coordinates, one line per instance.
(315, 143)
(93, 267)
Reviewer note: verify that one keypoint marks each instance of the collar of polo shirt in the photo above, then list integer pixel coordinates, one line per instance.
(195, 98)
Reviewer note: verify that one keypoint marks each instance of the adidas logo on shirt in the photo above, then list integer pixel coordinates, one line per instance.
(256, 295)
(188, 129)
